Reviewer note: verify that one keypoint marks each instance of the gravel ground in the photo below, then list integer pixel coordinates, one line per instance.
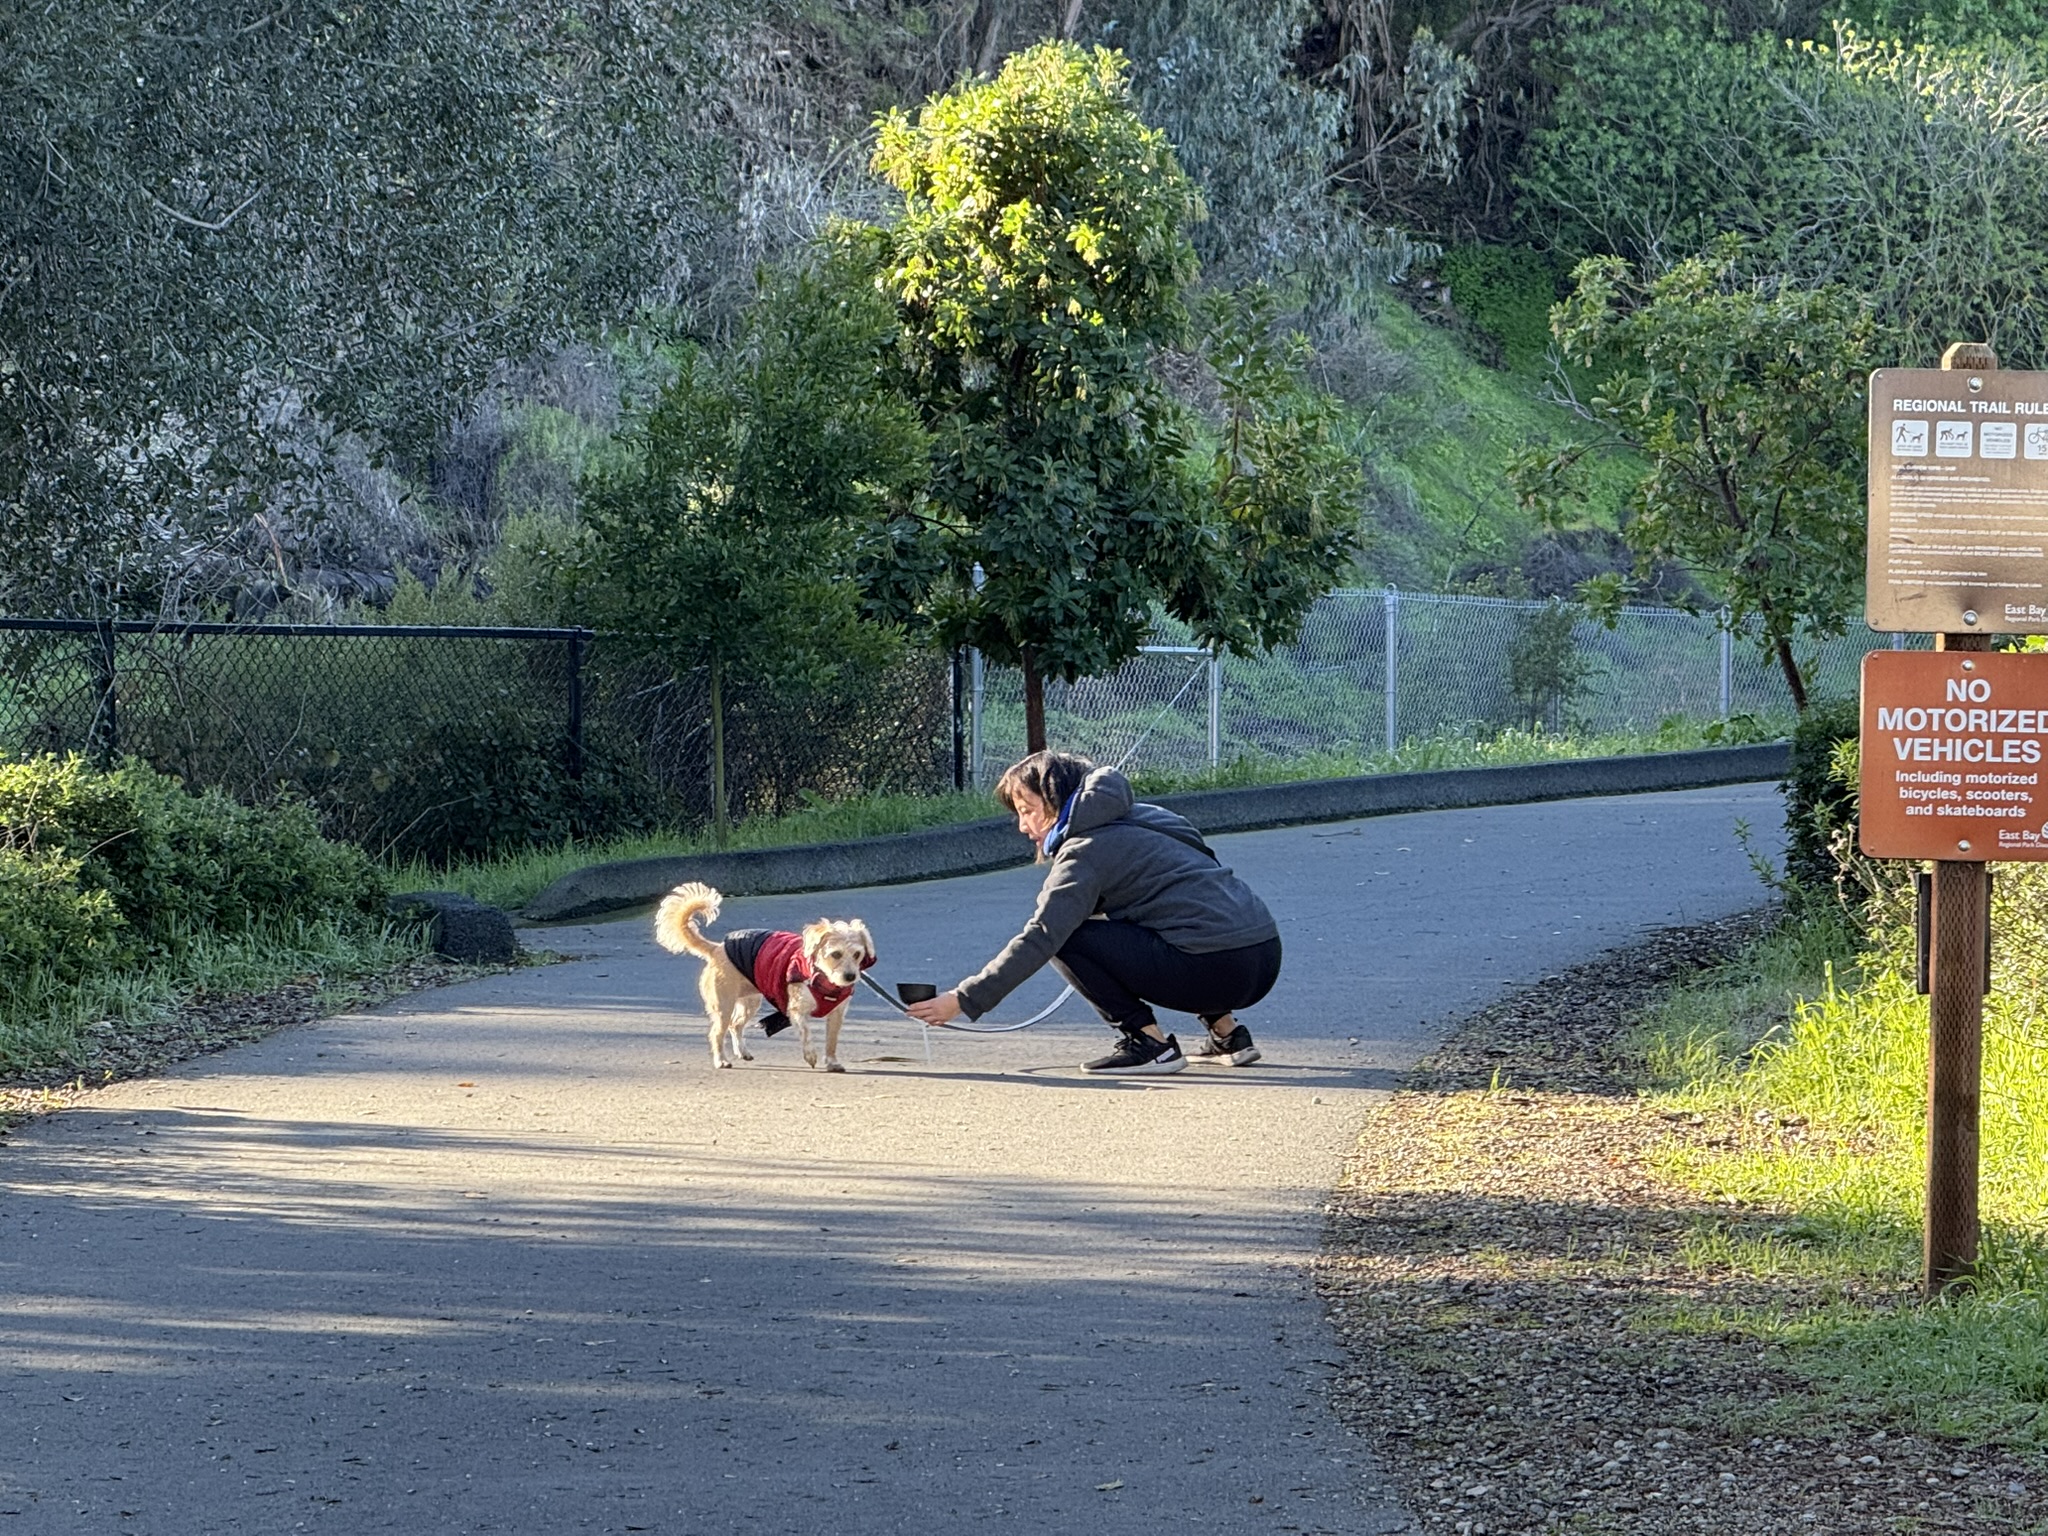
(115, 1052)
(1495, 1255)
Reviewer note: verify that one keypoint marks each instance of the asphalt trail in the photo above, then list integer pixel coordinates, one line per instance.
(512, 1257)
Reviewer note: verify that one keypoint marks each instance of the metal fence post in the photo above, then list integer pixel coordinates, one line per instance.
(959, 725)
(1392, 600)
(1727, 664)
(576, 703)
(103, 739)
(1215, 710)
(979, 673)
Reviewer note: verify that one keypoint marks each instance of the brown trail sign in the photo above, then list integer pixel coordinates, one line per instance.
(1958, 501)
(1953, 766)
(1951, 742)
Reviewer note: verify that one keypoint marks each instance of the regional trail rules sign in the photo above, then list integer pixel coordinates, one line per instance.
(1953, 743)
(1958, 501)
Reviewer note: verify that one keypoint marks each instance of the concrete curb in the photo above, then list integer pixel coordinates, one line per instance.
(993, 844)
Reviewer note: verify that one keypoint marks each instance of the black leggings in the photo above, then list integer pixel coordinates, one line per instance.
(1121, 968)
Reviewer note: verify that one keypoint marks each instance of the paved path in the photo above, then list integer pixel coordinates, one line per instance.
(512, 1257)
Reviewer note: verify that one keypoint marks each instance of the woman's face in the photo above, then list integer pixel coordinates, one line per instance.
(1035, 817)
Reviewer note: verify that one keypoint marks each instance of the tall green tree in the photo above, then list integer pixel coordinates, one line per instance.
(727, 540)
(222, 221)
(1746, 399)
(1039, 268)
(1278, 477)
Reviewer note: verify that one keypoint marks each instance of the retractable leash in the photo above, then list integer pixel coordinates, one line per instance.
(969, 1029)
(925, 1030)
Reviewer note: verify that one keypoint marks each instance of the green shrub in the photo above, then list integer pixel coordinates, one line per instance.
(1546, 669)
(1505, 292)
(1820, 801)
(48, 923)
(169, 865)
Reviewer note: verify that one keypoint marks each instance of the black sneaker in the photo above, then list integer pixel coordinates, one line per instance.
(1140, 1053)
(1232, 1050)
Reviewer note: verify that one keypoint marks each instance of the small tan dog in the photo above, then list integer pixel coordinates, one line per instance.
(804, 975)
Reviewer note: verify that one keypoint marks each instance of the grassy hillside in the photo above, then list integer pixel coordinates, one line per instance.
(1441, 442)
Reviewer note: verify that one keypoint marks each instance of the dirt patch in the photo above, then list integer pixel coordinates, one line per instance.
(1502, 1264)
(115, 1052)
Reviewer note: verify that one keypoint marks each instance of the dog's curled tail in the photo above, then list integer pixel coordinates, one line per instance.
(676, 919)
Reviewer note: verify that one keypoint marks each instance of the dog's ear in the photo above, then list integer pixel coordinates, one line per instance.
(814, 937)
(867, 940)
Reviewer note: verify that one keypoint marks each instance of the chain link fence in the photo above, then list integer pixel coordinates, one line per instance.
(1462, 667)
(449, 741)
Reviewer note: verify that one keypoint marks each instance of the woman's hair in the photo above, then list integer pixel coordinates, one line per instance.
(1046, 776)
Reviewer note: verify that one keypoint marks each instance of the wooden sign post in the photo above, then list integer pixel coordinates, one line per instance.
(1958, 547)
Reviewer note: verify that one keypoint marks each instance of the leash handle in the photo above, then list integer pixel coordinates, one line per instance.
(886, 996)
(966, 1029)
(924, 1029)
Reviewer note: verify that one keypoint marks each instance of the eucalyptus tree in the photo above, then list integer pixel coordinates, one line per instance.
(232, 228)
(1263, 142)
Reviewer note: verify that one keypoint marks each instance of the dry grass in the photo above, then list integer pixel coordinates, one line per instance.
(1519, 1288)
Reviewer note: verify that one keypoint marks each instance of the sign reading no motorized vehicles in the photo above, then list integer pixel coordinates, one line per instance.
(1952, 761)
(1958, 501)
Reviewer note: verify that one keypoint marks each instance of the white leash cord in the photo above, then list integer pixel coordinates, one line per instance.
(970, 1029)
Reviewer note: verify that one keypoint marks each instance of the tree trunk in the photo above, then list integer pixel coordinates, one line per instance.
(990, 14)
(721, 829)
(1034, 704)
(1791, 669)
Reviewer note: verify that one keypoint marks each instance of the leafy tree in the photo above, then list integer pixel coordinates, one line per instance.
(1546, 669)
(1915, 175)
(1280, 488)
(1746, 398)
(1262, 142)
(1936, 20)
(1039, 268)
(231, 230)
(1660, 116)
(727, 540)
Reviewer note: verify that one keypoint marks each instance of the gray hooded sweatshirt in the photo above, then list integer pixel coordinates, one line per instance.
(1132, 863)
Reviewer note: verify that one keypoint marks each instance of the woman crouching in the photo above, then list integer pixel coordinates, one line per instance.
(1136, 911)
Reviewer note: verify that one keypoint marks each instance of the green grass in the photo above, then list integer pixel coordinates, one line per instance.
(1443, 443)
(1428, 754)
(43, 1024)
(515, 879)
(1817, 1047)
(1696, 1041)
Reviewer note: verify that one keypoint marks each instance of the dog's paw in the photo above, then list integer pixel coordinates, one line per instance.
(725, 1064)
(811, 1058)
(746, 1055)
(833, 1066)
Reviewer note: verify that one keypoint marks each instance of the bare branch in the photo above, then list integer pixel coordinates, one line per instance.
(186, 218)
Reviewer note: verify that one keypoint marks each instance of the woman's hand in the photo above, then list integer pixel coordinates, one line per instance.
(942, 1009)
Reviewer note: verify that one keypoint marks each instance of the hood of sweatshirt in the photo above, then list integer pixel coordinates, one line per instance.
(1104, 796)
